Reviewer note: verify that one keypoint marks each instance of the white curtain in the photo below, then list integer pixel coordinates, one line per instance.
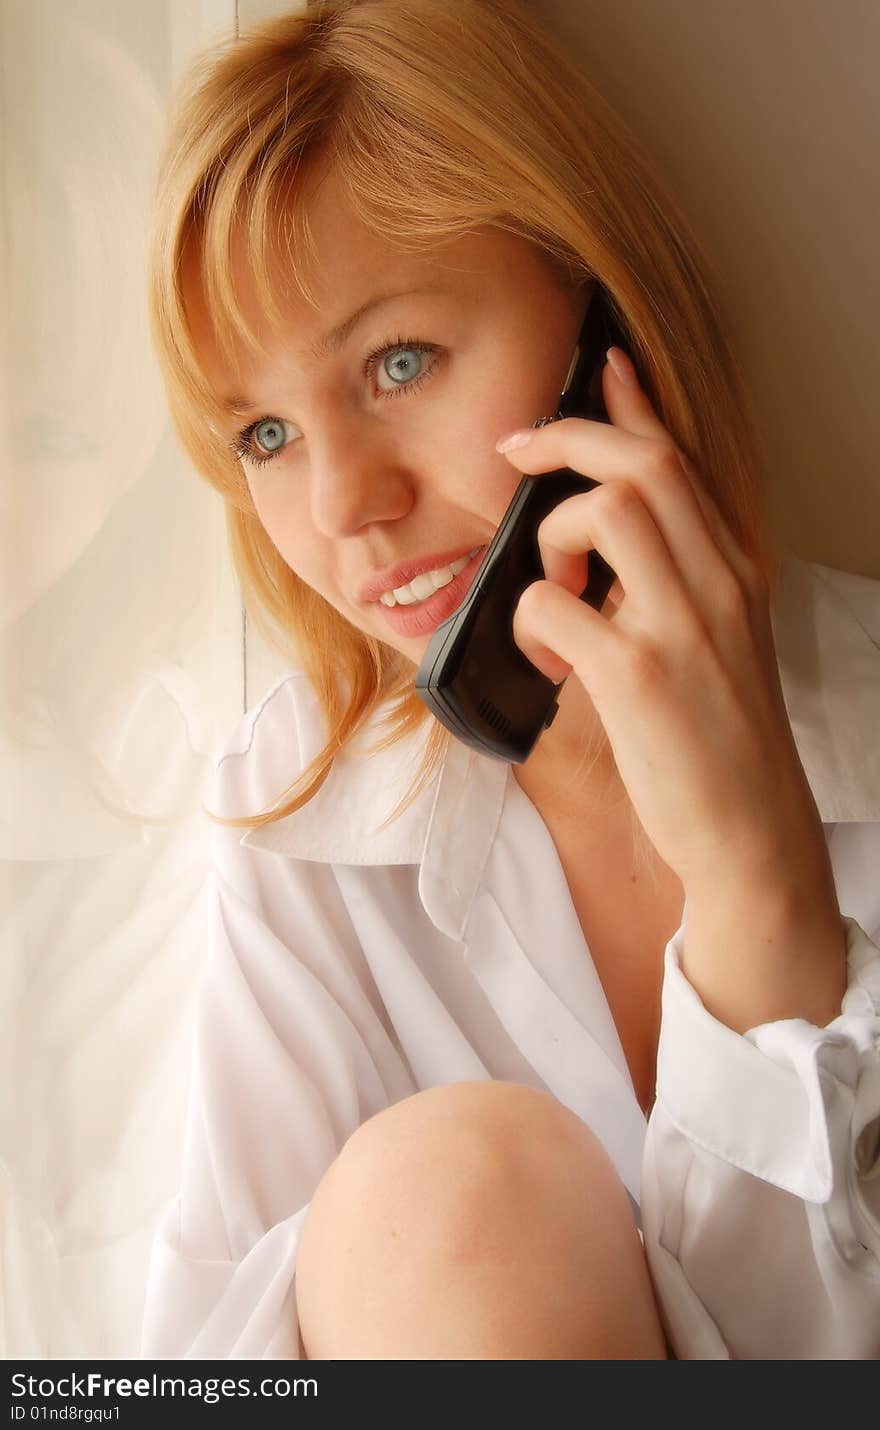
(126, 657)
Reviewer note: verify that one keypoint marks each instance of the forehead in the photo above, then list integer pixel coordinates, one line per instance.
(349, 263)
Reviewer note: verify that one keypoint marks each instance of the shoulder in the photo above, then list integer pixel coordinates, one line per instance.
(827, 628)
(813, 596)
(269, 746)
(827, 631)
(344, 821)
(855, 594)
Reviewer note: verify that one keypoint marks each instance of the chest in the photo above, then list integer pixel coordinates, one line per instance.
(627, 914)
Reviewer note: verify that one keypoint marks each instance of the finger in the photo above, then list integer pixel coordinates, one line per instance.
(692, 527)
(613, 520)
(559, 634)
(629, 408)
(626, 402)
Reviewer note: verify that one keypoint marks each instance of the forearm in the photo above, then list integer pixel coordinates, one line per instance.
(768, 944)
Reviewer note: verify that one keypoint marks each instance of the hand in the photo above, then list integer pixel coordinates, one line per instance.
(680, 665)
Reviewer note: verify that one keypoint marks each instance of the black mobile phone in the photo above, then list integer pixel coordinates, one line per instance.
(473, 676)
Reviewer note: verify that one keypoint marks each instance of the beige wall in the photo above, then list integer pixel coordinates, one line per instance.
(765, 118)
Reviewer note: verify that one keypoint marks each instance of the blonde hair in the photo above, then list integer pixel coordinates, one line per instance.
(440, 117)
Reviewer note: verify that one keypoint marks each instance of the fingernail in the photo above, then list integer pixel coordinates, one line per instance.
(622, 367)
(519, 438)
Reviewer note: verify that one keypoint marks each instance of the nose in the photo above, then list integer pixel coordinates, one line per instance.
(356, 475)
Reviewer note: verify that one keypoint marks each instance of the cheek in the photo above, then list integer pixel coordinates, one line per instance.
(288, 528)
(473, 465)
(275, 504)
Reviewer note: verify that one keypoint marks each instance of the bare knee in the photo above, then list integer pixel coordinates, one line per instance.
(479, 1220)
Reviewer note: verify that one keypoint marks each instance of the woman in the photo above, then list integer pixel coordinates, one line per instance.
(430, 1034)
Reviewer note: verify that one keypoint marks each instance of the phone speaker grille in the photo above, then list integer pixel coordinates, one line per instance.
(493, 717)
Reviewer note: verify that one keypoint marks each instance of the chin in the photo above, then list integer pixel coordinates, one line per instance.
(409, 651)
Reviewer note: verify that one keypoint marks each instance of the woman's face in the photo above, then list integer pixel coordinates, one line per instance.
(382, 465)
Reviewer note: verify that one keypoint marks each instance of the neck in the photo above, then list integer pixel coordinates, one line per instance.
(572, 767)
(572, 780)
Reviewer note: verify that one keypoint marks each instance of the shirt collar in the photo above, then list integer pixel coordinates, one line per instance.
(826, 626)
(448, 829)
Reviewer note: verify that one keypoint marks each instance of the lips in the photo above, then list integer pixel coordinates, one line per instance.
(394, 577)
(424, 617)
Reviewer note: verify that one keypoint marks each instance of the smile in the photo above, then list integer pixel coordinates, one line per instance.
(423, 586)
(420, 615)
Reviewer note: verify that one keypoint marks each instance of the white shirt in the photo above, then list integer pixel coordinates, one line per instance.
(351, 966)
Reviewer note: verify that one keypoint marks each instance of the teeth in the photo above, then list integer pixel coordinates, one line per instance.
(420, 587)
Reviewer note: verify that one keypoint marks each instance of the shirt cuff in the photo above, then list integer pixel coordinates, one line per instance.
(777, 1100)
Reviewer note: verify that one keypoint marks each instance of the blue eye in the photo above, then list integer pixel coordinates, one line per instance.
(406, 367)
(271, 433)
(407, 351)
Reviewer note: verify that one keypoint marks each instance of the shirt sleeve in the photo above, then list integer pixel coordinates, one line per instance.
(761, 1177)
(291, 1055)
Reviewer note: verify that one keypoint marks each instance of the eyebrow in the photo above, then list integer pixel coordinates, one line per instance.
(331, 342)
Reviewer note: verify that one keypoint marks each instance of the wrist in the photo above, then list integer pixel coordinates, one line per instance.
(788, 871)
(760, 951)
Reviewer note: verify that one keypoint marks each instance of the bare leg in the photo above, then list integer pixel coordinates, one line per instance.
(478, 1221)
